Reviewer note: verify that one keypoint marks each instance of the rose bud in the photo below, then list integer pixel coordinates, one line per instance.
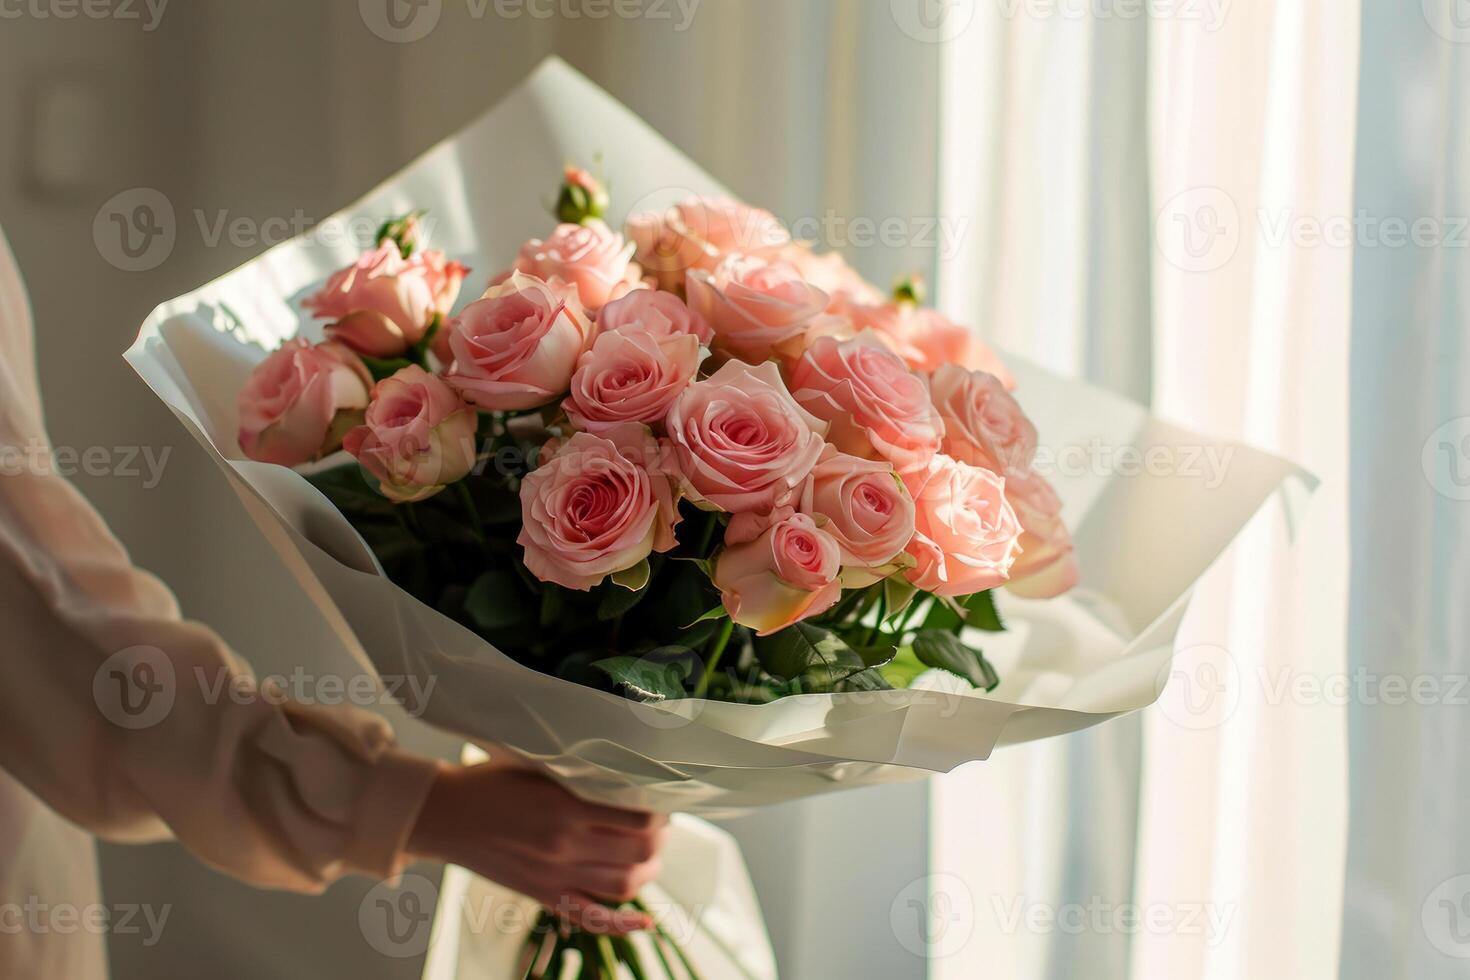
(417, 437)
(742, 442)
(383, 304)
(407, 232)
(787, 574)
(755, 306)
(965, 533)
(865, 507)
(590, 256)
(1047, 566)
(299, 401)
(878, 408)
(699, 233)
(656, 312)
(983, 424)
(631, 377)
(597, 507)
(582, 196)
(517, 346)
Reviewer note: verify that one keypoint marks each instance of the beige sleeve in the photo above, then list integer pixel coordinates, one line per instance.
(138, 725)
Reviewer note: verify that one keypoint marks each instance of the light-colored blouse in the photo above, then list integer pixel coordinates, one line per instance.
(281, 796)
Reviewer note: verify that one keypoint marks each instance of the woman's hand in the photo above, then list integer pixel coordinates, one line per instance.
(522, 830)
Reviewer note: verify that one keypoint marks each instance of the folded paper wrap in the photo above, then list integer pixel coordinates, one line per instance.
(1151, 506)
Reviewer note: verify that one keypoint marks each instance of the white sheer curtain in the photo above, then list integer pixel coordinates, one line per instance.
(1101, 142)
(1407, 912)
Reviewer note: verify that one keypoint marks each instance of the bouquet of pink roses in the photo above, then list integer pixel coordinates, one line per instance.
(701, 460)
(695, 458)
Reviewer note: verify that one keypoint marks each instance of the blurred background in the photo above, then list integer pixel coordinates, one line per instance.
(1252, 216)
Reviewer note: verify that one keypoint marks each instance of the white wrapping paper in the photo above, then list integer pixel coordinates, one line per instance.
(1151, 507)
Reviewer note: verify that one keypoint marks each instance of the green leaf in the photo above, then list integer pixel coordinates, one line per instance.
(878, 654)
(718, 612)
(700, 633)
(635, 578)
(938, 648)
(898, 592)
(808, 650)
(656, 676)
(982, 613)
(617, 600)
(871, 679)
(497, 601)
(944, 614)
(903, 669)
(381, 368)
(682, 597)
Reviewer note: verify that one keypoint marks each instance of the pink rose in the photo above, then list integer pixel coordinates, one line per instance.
(299, 401)
(590, 256)
(965, 533)
(631, 377)
(924, 338)
(831, 274)
(517, 346)
(743, 443)
(1047, 566)
(656, 312)
(878, 408)
(383, 304)
(417, 438)
(700, 232)
(934, 340)
(983, 424)
(787, 574)
(865, 507)
(754, 306)
(596, 508)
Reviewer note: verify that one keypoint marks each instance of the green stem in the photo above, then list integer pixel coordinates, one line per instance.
(661, 938)
(629, 956)
(716, 651)
(911, 614)
(838, 613)
(467, 501)
(658, 949)
(878, 621)
(608, 957)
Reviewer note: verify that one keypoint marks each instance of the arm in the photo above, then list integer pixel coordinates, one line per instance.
(279, 795)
